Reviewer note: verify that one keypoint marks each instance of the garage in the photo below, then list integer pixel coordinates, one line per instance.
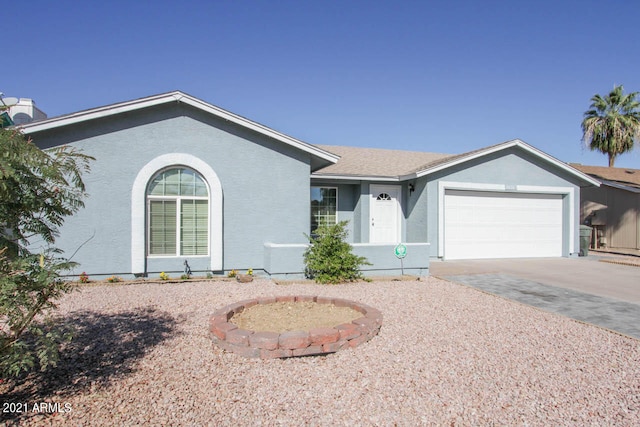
(485, 224)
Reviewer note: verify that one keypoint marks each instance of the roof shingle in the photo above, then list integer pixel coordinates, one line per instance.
(358, 161)
(625, 176)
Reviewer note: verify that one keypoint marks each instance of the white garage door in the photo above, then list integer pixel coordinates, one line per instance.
(481, 224)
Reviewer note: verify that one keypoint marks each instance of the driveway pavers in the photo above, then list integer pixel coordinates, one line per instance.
(601, 293)
(620, 316)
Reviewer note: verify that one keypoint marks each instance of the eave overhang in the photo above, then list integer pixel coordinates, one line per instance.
(323, 157)
(329, 177)
(496, 148)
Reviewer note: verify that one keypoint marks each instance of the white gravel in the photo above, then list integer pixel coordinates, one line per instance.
(446, 355)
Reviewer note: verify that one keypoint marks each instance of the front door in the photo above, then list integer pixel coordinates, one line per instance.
(385, 214)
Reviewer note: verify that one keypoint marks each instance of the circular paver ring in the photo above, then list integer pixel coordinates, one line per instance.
(267, 345)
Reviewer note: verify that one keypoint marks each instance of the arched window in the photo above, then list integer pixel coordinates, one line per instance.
(178, 213)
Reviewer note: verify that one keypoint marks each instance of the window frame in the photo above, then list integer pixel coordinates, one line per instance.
(178, 200)
(329, 187)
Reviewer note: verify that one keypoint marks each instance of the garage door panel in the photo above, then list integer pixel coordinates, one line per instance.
(502, 225)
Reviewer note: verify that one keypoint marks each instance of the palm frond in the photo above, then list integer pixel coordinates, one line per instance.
(612, 123)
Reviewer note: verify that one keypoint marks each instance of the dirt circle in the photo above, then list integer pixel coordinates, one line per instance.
(293, 316)
(290, 326)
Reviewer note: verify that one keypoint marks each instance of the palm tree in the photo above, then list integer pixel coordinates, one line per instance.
(612, 124)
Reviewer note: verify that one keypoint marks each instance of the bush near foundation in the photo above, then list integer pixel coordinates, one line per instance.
(329, 258)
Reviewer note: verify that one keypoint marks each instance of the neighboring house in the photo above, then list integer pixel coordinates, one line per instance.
(21, 110)
(613, 209)
(177, 179)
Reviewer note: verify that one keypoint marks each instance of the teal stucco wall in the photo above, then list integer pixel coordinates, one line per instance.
(510, 168)
(287, 260)
(265, 186)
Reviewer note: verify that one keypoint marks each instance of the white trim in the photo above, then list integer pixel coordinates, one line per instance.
(177, 96)
(176, 256)
(304, 245)
(212, 109)
(96, 113)
(474, 155)
(502, 188)
(358, 178)
(138, 207)
(389, 244)
(337, 198)
(178, 201)
(286, 245)
(503, 146)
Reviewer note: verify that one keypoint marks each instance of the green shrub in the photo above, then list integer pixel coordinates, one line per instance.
(29, 289)
(329, 258)
(38, 190)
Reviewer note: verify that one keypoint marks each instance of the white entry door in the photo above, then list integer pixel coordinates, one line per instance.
(385, 214)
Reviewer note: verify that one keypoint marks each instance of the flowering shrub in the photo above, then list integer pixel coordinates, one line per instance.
(114, 279)
(84, 278)
(232, 273)
(250, 272)
(164, 276)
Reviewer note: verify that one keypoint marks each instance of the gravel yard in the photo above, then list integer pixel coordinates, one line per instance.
(446, 355)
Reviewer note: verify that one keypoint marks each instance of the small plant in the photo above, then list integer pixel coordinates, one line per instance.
(329, 258)
(164, 276)
(250, 272)
(185, 277)
(232, 273)
(209, 275)
(114, 279)
(84, 278)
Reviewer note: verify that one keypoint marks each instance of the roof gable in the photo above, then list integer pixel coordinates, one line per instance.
(322, 157)
(398, 165)
(465, 157)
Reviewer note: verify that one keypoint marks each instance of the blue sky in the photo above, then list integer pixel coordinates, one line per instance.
(440, 76)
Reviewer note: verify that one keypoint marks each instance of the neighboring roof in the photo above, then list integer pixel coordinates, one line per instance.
(623, 176)
(398, 165)
(375, 163)
(322, 157)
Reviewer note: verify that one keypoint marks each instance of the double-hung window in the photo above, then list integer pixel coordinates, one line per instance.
(178, 214)
(324, 207)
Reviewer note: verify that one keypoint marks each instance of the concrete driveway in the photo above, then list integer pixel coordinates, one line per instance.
(597, 289)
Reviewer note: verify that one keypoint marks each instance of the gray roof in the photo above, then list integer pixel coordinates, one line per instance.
(396, 165)
(377, 162)
(625, 176)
